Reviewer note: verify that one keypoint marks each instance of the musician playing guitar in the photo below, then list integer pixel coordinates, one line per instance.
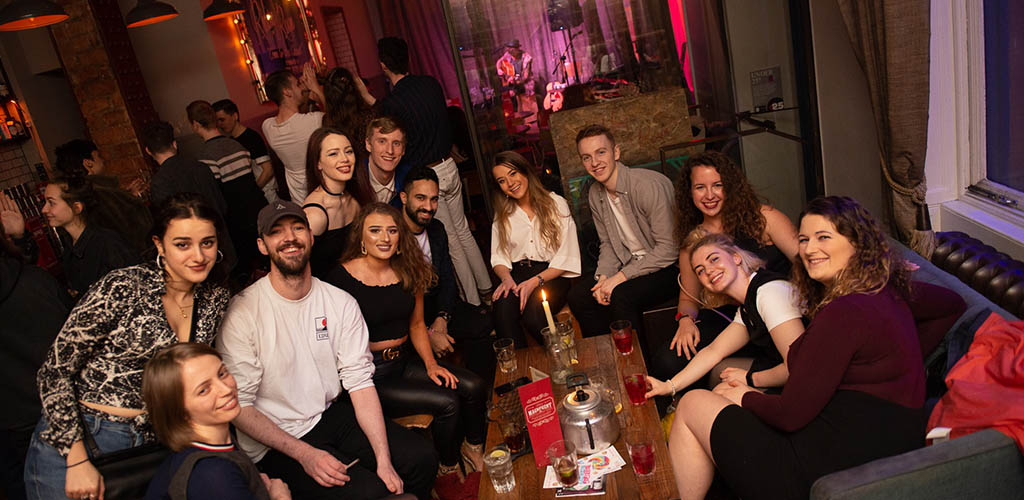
(515, 68)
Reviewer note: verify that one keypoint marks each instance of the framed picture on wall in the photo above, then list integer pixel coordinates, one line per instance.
(280, 34)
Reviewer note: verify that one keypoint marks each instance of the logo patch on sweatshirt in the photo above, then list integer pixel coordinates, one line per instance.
(321, 327)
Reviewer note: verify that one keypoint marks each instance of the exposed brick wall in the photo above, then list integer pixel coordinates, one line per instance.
(14, 168)
(107, 83)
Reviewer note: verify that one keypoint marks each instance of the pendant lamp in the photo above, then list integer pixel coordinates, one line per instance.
(149, 12)
(27, 14)
(222, 8)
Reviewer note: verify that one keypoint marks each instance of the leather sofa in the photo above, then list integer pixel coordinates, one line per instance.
(984, 465)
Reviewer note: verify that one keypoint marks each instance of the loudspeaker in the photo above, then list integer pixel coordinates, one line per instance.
(564, 14)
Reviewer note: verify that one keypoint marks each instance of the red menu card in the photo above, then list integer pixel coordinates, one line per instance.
(541, 418)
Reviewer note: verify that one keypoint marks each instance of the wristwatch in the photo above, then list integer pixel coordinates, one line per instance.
(540, 280)
(445, 316)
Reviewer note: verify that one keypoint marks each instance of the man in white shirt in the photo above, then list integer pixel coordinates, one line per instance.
(634, 214)
(288, 339)
(288, 132)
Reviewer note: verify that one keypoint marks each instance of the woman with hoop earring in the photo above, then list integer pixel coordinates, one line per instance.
(92, 375)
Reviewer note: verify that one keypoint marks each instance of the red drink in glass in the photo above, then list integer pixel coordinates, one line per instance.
(622, 335)
(636, 387)
(516, 441)
(568, 472)
(642, 455)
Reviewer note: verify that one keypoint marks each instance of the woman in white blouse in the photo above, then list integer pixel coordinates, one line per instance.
(533, 248)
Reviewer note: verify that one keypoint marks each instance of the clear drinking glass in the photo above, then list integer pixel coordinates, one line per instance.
(563, 460)
(622, 335)
(560, 362)
(505, 351)
(499, 466)
(640, 444)
(563, 334)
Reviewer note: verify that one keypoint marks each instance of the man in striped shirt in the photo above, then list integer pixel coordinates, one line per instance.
(231, 165)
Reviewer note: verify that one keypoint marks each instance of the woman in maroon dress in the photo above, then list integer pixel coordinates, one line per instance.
(856, 387)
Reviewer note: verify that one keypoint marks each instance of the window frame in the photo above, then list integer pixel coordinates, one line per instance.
(955, 200)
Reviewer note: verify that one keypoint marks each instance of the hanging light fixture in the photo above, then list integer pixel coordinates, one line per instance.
(27, 14)
(222, 8)
(149, 12)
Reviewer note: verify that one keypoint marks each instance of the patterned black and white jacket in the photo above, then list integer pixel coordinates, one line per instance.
(104, 345)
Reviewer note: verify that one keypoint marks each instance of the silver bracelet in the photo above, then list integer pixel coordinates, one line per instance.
(673, 386)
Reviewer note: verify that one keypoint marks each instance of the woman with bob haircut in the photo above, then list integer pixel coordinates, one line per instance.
(769, 321)
(856, 384)
(192, 399)
(333, 199)
(533, 248)
(384, 269)
(93, 372)
(713, 196)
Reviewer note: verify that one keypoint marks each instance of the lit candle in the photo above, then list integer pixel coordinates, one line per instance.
(547, 310)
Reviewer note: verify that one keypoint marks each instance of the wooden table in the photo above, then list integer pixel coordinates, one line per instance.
(597, 357)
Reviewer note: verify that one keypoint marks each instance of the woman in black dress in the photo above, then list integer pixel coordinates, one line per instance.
(384, 269)
(332, 202)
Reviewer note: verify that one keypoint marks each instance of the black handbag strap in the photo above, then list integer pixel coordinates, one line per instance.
(87, 439)
(178, 488)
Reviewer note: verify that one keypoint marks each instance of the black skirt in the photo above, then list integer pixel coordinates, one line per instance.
(759, 461)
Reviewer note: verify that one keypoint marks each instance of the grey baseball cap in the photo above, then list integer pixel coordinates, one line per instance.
(273, 212)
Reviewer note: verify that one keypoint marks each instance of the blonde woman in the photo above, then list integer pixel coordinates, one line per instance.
(533, 248)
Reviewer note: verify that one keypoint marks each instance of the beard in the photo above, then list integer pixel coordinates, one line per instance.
(290, 267)
(420, 216)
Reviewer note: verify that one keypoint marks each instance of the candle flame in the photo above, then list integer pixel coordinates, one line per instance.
(543, 296)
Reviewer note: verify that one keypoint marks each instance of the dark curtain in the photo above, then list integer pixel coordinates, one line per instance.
(421, 24)
(890, 39)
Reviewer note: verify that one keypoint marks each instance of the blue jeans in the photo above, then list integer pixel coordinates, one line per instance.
(45, 468)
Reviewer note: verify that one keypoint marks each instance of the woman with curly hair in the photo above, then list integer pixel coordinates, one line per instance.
(384, 269)
(533, 247)
(714, 197)
(856, 383)
(333, 200)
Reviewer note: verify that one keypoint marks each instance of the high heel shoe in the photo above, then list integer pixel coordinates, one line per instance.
(472, 457)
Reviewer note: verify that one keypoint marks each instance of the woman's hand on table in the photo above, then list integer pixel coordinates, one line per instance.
(441, 376)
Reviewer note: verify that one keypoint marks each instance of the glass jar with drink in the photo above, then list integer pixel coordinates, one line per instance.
(640, 444)
(622, 335)
(564, 460)
(498, 462)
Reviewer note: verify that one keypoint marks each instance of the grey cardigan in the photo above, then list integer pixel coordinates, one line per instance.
(650, 207)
